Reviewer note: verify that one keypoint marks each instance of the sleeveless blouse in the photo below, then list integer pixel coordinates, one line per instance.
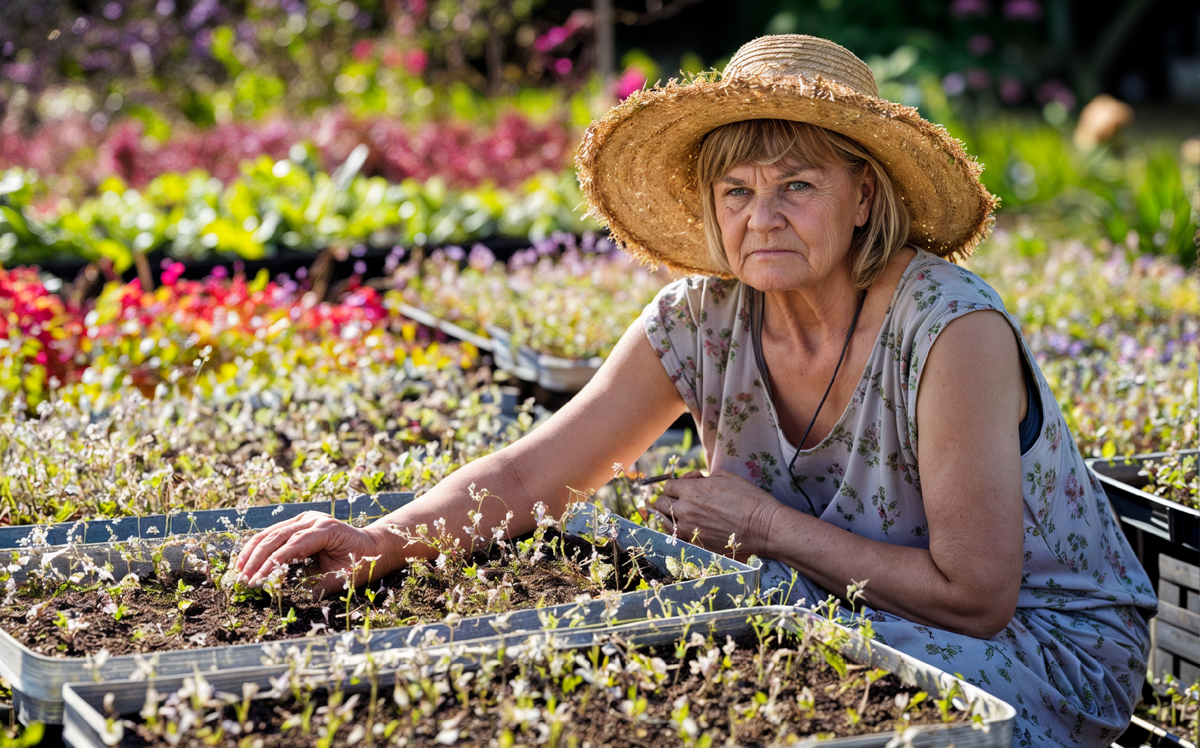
(1073, 658)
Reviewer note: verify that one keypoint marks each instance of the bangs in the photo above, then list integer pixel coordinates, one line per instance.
(764, 142)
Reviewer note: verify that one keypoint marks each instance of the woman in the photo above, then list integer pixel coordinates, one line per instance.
(868, 409)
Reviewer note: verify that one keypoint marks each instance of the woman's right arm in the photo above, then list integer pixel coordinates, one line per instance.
(614, 419)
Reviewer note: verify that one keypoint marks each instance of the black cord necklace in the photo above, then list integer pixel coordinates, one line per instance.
(762, 366)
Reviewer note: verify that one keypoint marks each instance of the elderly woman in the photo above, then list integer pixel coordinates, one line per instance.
(868, 409)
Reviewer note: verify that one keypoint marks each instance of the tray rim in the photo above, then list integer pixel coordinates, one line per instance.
(82, 714)
(1177, 515)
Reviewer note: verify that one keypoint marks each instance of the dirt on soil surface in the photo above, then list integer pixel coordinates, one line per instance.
(601, 715)
(188, 610)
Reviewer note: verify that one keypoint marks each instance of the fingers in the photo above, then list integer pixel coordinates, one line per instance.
(268, 544)
(302, 544)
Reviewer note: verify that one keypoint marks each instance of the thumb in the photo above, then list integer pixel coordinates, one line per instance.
(692, 474)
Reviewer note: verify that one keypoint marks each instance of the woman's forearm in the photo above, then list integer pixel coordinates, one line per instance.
(490, 485)
(900, 580)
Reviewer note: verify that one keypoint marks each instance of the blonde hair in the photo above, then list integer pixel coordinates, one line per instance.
(769, 141)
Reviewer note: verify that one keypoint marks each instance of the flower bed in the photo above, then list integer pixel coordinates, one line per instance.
(273, 205)
(573, 305)
(133, 337)
(768, 676)
(1118, 340)
(253, 441)
(506, 154)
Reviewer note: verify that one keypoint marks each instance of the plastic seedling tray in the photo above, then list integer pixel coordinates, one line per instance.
(550, 372)
(449, 328)
(205, 520)
(37, 680)
(86, 726)
(1175, 523)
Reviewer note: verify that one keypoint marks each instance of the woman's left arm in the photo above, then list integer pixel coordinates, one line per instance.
(969, 406)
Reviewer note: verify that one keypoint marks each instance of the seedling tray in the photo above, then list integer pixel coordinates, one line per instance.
(205, 520)
(85, 724)
(449, 328)
(550, 372)
(37, 680)
(1152, 514)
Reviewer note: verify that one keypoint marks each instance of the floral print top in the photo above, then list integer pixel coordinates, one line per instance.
(865, 475)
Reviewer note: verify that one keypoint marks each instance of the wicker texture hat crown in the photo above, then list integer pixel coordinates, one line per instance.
(637, 164)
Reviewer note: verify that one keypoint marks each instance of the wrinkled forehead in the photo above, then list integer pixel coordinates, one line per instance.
(783, 169)
(777, 143)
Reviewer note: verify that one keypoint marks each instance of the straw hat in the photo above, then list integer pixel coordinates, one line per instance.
(637, 165)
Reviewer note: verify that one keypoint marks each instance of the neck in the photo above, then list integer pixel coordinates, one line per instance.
(811, 321)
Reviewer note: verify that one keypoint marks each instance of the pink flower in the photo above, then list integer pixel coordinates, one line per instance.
(363, 50)
(393, 58)
(1072, 489)
(563, 66)
(551, 39)
(967, 8)
(631, 80)
(416, 61)
(1022, 10)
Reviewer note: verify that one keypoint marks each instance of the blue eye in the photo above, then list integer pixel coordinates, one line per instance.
(736, 192)
(798, 186)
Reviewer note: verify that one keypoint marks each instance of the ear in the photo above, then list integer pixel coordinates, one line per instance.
(866, 197)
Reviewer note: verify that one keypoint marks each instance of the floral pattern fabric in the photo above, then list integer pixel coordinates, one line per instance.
(1073, 658)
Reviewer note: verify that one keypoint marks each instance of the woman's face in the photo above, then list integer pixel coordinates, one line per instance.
(789, 225)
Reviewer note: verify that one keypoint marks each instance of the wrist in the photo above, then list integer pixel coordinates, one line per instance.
(387, 545)
(763, 521)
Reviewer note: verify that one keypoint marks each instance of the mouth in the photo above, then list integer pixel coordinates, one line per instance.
(770, 252)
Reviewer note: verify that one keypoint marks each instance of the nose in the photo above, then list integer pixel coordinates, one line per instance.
(765, 215)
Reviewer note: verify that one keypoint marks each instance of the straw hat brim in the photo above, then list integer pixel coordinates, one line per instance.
(637, 165)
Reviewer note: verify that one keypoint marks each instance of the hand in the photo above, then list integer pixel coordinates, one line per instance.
(337, 546)
(707, 510)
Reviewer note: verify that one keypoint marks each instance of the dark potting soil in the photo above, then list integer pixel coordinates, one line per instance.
(595, 715)
(187, 610)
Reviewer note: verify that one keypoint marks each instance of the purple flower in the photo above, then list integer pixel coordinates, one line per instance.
(199, 14)
(1011, 90)
(954, 84)
(563, 66)
(1022, 10)
(481, 258)
(112, 11)
(17, 72)
(978, 79)
(967, 8)
(1055, 90)
(980, 44)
